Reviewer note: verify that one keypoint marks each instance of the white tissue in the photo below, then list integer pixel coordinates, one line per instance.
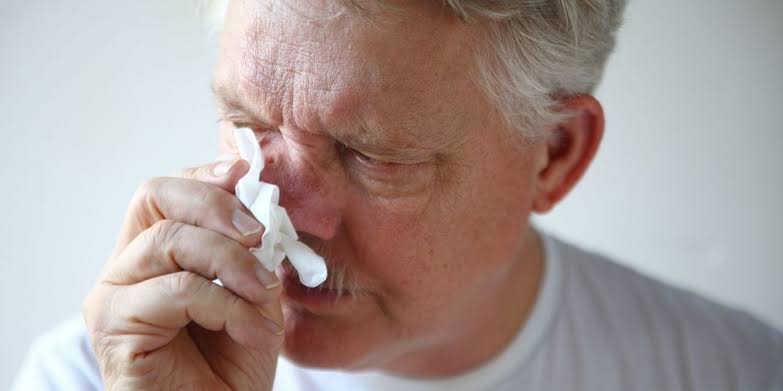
(279, 238)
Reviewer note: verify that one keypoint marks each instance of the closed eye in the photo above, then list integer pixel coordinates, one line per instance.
(372, 162)
(366, 159)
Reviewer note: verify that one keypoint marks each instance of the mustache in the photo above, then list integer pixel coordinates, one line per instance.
(341, 277)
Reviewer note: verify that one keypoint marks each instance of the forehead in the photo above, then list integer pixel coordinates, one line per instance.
(395, 70)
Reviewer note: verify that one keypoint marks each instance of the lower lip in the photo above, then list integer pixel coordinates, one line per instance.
(311, 297)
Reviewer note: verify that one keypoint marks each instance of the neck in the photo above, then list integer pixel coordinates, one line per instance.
(486, 326)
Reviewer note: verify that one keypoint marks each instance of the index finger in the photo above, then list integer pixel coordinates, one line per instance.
(188, 201)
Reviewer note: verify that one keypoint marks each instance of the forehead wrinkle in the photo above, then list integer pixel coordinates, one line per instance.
(300, 89)
(273, 49)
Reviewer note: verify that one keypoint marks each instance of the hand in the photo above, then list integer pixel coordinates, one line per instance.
(156, 319)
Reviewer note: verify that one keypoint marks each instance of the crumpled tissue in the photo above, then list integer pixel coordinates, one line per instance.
(279, 238)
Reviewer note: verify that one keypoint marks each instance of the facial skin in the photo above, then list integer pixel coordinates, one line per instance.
(393, 165)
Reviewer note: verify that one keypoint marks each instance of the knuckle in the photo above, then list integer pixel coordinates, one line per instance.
(163, 234)
(148, 187)
(146, 192)
(203, 196)
(160, 242)
(229, 256)
(237, 303)
(213, 203)
(184, 285)
(88, 310)
(236, 306)
(239, 255)
(96, 310)
(114, 355)
(212, 196)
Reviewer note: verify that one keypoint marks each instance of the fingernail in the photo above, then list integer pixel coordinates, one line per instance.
(223, 167)
(273, 327)
(246, 225)
(267, 278)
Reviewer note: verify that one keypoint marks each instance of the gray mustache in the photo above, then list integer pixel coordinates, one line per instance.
(340, 279)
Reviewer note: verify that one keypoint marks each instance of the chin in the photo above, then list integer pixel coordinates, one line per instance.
(328, 341)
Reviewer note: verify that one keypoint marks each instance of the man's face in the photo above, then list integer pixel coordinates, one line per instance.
(392, 165)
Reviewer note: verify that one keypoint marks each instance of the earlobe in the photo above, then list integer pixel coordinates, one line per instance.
(542, 204)
(569, 149)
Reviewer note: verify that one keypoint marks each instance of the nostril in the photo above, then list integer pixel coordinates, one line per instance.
(263, 140)
(268, 155)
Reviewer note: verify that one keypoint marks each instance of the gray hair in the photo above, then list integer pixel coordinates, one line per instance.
(533, 52)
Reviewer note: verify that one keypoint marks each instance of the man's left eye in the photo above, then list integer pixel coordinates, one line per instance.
(371, 165)
(376, 163)
(366, 159)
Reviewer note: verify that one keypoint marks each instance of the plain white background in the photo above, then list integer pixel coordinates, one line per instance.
(95, 96)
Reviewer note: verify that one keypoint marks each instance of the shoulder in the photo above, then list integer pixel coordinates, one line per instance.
(672, 332)
(60, 359)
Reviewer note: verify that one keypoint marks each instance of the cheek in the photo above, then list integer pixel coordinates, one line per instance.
(464, 235)
(392, 247)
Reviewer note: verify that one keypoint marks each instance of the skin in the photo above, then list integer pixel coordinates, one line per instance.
(390, 160)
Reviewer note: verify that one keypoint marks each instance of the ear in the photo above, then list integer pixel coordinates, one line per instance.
(569, 149)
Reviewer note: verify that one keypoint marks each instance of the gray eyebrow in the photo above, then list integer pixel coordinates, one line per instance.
(231, 107)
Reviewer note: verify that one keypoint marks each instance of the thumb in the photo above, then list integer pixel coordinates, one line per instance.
(224, 172)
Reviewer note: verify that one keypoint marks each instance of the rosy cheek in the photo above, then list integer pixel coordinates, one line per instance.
(394, 248)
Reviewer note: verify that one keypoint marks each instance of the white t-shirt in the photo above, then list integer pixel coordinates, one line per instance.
(595, 325)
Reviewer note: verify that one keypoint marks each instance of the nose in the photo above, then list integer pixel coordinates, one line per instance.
(310, 192)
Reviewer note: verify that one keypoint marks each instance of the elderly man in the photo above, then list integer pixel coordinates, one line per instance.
(411, 141)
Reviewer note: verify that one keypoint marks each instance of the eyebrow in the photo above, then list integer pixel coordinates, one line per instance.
(219, 91)
(404, 146)
(374, 148)
(230, 107)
